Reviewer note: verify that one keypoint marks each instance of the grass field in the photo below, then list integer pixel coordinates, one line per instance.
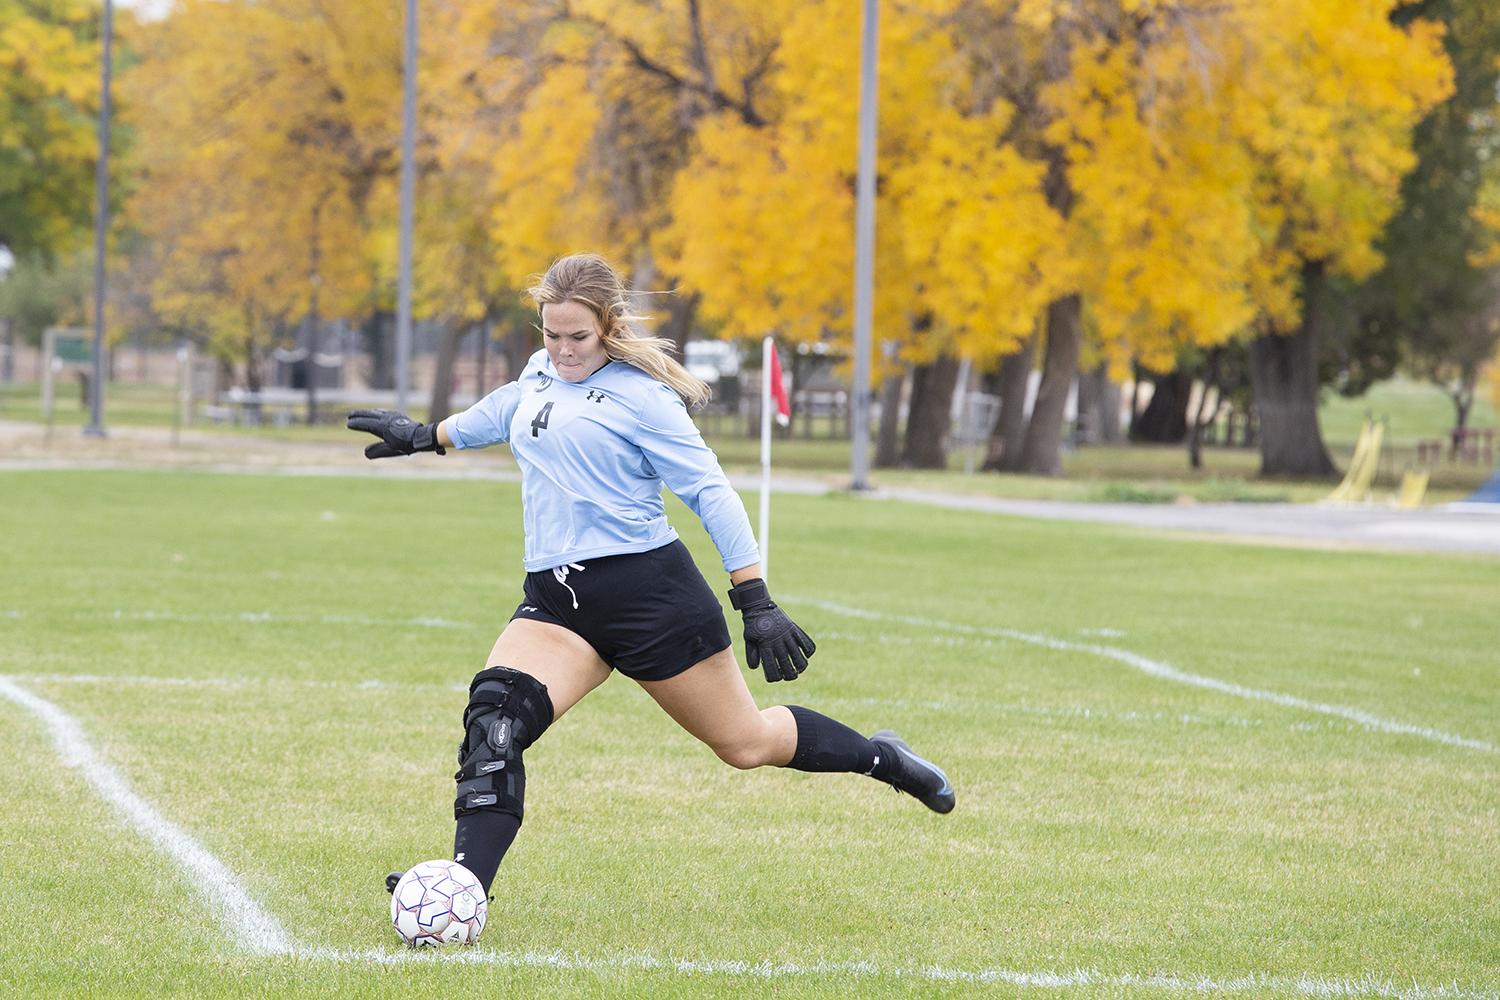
(1183, 768)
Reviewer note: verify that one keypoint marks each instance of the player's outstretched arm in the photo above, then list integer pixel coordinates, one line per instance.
(773, 641)
(398, 433)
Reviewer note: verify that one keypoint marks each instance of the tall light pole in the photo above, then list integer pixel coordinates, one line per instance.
(95, 426)
(864, 249)
(408, 193)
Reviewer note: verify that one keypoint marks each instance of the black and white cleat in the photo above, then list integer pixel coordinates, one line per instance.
(921, 779)
(391, 880)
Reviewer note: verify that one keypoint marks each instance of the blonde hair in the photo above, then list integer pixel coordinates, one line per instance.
(588, 279)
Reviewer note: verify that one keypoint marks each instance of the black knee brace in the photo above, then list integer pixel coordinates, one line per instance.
(507, 711)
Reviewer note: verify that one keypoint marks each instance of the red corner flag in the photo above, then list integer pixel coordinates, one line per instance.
(778, 390)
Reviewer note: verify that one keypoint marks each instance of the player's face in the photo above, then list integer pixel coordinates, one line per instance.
(570, 330)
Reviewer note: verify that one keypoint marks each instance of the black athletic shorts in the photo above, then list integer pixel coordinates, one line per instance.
(649, 615)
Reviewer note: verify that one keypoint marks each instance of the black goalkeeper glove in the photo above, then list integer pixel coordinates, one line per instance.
(398, 433)
(772, 640)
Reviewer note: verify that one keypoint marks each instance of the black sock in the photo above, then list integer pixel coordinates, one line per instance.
(824, 744)
(481, 840)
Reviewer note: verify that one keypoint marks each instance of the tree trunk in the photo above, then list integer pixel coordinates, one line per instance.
(1165, 420)
(442, 377)
(519, 345)
(1098, 406)
(1011, 384)
(1284, 380)
(8, 371)
(1137, 376)
(1195, 428)
(481, 358)
(1041, 452)
(1109, 407)
(930, 414)
(1463, 401)
(379, 331)
(888, 439)
(677, 327)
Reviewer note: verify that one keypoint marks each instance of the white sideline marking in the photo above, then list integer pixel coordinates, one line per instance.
(253, 928)
(1165, 671)
(270, 618)
(1304, 985)
(249, 925)
(233, 682)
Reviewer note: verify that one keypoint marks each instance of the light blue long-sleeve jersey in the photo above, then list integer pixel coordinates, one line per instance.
(593, 457)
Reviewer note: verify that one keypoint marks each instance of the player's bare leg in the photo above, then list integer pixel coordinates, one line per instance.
(711, 700)
(556, 657)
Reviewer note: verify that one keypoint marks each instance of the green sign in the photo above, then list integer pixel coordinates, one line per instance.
(73, 349)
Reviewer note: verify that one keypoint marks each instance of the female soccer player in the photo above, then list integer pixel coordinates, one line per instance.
(597, 422)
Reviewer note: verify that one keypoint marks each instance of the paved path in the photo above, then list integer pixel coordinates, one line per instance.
(1431, 529)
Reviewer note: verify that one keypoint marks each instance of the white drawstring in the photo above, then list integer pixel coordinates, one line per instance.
(561, 572)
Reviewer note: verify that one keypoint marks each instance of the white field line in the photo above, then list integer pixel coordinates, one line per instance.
(150, 680)
(257, 931)
(1305, 985)
(930, 705)
(1083, 712)
(267, 618)
(958, 633)
(1165, 671)
(250, 926)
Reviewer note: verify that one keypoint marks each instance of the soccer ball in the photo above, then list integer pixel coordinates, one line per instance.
(438, 902)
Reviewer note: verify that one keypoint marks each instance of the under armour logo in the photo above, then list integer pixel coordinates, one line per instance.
(595, 396)
(546, 380)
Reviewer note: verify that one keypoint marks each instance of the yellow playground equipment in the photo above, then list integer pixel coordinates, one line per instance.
(1356, 487)
(1413, 489)
(1362, 468)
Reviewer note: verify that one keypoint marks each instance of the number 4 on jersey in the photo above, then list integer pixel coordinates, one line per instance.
(539, 423)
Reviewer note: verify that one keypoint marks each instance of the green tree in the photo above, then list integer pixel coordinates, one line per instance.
(1432, 305)
(49, 98)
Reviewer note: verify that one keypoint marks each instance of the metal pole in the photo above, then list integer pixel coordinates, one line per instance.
(408, 189)
(315, 282)
(864, 249)
(95, 426)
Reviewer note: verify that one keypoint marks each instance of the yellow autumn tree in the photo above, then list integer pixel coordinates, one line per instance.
(1324, 97)
(268, 147)
(762, 221)
(1201, 154)
(568, 125)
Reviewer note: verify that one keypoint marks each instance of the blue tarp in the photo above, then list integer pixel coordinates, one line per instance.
(1489, 492)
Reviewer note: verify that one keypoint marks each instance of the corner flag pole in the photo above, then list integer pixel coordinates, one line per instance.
(767, 353)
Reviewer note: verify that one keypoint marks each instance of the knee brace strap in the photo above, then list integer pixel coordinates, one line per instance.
(507, 711)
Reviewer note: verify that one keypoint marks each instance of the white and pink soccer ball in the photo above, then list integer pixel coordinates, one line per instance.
(438, 902)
